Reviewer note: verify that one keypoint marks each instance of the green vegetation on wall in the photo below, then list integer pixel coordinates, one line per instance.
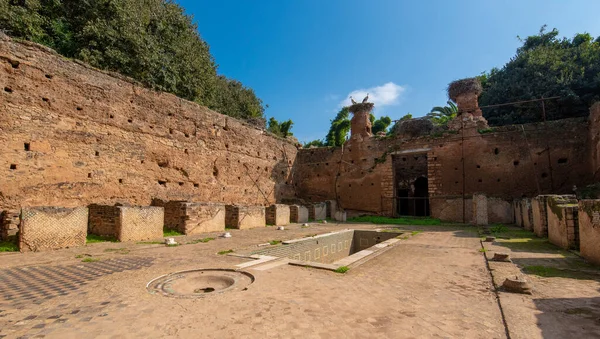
(152, 41)
(544, 66)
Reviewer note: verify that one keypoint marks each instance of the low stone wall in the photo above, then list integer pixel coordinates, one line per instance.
(526, 214)
(323, 249)
(49, 228)
(194, 218)
(365, 239)
(589, 230)
(539, 215)
(140, 223)
(451, 209)
(9, 224)
(563, 227)
(480, 209)
(103, 220)
(518, 213)
(245, 217)
(500, 211)
(317, 211)
(331, 208)
(298, 214)
(278, 215)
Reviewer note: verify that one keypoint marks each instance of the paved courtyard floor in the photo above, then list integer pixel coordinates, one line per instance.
(432, 284)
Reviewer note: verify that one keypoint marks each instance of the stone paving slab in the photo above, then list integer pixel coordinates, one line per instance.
(434, 284)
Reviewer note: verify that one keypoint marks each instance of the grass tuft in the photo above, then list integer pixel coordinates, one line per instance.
(275, 242)
(375, 219)
(10, 245)
(167, 232)
(203, 240)
(88, 259)
(225, 252)
(92, 238)
(342, 269)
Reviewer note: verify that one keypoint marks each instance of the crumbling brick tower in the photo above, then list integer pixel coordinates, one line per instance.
(465, 94)
(361, 122)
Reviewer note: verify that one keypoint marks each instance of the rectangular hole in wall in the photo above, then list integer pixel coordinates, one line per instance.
(162, 183)
(13, 166)
(196, 185)
(27, 146)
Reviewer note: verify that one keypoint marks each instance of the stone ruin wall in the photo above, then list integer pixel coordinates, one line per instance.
(72, 135)
(505, 163)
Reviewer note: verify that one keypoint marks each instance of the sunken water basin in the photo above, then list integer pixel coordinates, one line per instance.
(200, 283)
(331, 250)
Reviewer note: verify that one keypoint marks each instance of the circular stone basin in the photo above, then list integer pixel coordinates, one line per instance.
(200, 283)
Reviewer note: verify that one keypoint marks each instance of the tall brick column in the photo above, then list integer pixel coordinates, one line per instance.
(361, 122)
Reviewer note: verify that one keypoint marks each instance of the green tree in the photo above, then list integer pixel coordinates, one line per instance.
(381, 125)
(152, 41)
(281, 129)
(544, 66)
(339, 129)
(316, 143)
(440, 116)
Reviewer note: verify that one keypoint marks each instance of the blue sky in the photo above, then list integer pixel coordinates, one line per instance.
(304, 57)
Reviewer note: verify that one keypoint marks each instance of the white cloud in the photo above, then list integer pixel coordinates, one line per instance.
(388, 94)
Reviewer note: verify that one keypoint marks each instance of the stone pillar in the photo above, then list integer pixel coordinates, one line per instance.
(361, 122)
(465, 94)
(480, 209)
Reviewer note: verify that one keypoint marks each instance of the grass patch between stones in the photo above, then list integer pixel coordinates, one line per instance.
(167, 232)
(225, 252)
(92, 238)
(342, 269)
(203, 240)
(10, 245)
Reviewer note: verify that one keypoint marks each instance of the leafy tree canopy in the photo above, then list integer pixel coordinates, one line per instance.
(282, 129)
(152, 41)
(316, 143)
(440, 116)
(544, 66)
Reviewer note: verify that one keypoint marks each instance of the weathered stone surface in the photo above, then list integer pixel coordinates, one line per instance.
(74, 136)
(539, 215)
(563, 225)
(298, 214)
(317, 211)
(480, 209)
(50, 228)
(245, 217)
(500, 211)
(193, 218)
(527, 214)
(589, 230)
(140, 223)
(331, 208)
(278, 215)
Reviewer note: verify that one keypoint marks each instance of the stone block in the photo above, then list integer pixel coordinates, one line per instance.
(50, 228)
(245, 217)
(589, 230)
(480, 209)
(563, 226)
(331, 208)
(500, 211)
(278, 215)
(540, 215)
(518, 213)
(298, 214)
(193, 218)
(9, 224)
(340, 215)
(140, 223)
(526, 214)
(317, 211)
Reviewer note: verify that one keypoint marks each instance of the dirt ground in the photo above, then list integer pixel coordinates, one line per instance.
(431, 284)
